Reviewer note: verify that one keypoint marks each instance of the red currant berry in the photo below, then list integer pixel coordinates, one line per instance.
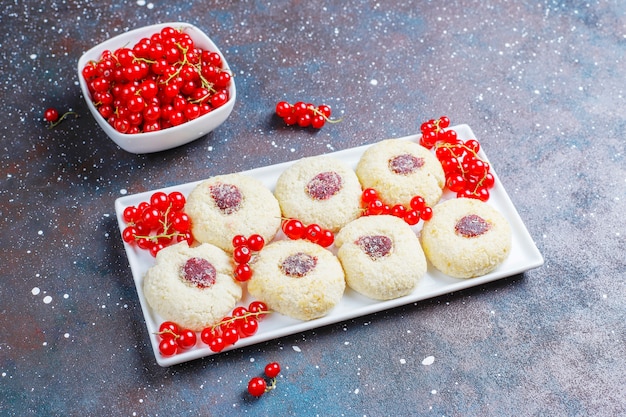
(176, 200)
(129, 233)
(243, 272)
(412, 217)
(186, 339)
(257, 386)
(283, 109)
(326, 238)
(51, 115)
(313, 233)
(247, 326)
(256, 242)
(398, 210)
(168, 329)
(272, 369)
(242, 254)
(239, 240)
(426, 214)
(293, 229)
(369, 195)
(230, 335)
(168, 347)
(258, 307)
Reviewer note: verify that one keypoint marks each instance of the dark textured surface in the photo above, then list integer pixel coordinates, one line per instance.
(541, 84)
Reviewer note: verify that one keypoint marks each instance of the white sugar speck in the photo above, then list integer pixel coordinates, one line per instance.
(66, 296)
(252, 359)
(296, 348)
(40, 233)
(374, 82)
(33, 56)
(66, 335)
(402, 361)
(356, 391)
(433, 392)
(47, 299)
(35, 291)
(123, 191)
(428, 360)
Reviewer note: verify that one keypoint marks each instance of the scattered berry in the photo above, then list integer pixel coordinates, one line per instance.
(272, 369)
(257, 386)
(304, 114)
(51, 115)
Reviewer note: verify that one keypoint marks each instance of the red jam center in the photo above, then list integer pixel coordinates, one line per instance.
(471, 225)
(298, 264)
(375, 246)
(324, 185)
(227, 197)
(405, 164)
(199, 272)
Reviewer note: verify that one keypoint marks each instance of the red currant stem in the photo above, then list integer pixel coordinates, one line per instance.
(168, 331)
(245, 317)
(316, 111)
(271, 385)
(64, 116)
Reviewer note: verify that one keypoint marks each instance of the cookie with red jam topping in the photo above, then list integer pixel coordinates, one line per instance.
(399, 170)
(466, 238)
(320, 190)
(381, 256)
(192, 286)
(297, 278)
(224, 206)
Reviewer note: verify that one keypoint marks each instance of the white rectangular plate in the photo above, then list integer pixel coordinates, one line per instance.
(524, 256)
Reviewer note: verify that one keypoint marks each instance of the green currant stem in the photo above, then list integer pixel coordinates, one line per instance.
(271, 385)
(64, 116)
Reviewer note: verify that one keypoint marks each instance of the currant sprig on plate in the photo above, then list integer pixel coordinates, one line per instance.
(417, 209)
(155, 224)
(467, 174)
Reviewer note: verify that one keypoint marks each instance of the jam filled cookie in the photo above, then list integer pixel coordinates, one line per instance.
(320, 190)
(399, 170)
(381, 256)
(228, 205)
(193, 287)
(297, 278)
(466, 238)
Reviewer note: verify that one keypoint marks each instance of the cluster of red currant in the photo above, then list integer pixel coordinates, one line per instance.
(244, 249)
(466, 173)
(434, 130)
(51, 115)
(257, 386)
(162, 81)
(304, 114)
(160, 222)
(174, 339)
(294, 229)
(243, 322)
(418, 209)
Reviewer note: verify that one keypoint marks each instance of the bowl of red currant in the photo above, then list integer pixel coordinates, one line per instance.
(157, 87)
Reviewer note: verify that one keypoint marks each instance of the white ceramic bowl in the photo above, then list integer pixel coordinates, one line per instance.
(173, 136)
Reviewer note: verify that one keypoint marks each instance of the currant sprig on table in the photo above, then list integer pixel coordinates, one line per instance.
(467, 174)
(52, 116)
(294, 229)
(304, 114)
(244, 249)
(155, 224)
(257, 386)
(418, 209)
(162, 81)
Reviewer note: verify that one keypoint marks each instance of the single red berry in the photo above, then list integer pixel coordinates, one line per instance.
(243, 272)
(256, 242)
(257, 307)
(242, 254)
(313, 232)
(51, 115)
(168, 347)
(239, 240)
(293, 229)
(257, 386)
(283, 109)
(186, 339)
(272, 369)
(247, 326)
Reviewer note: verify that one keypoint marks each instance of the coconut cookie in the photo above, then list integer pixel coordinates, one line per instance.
(297, 278)
(320, 190)
(228, 205)
(381, 256)
(193, 287)
(466, 238)
(399, 170)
